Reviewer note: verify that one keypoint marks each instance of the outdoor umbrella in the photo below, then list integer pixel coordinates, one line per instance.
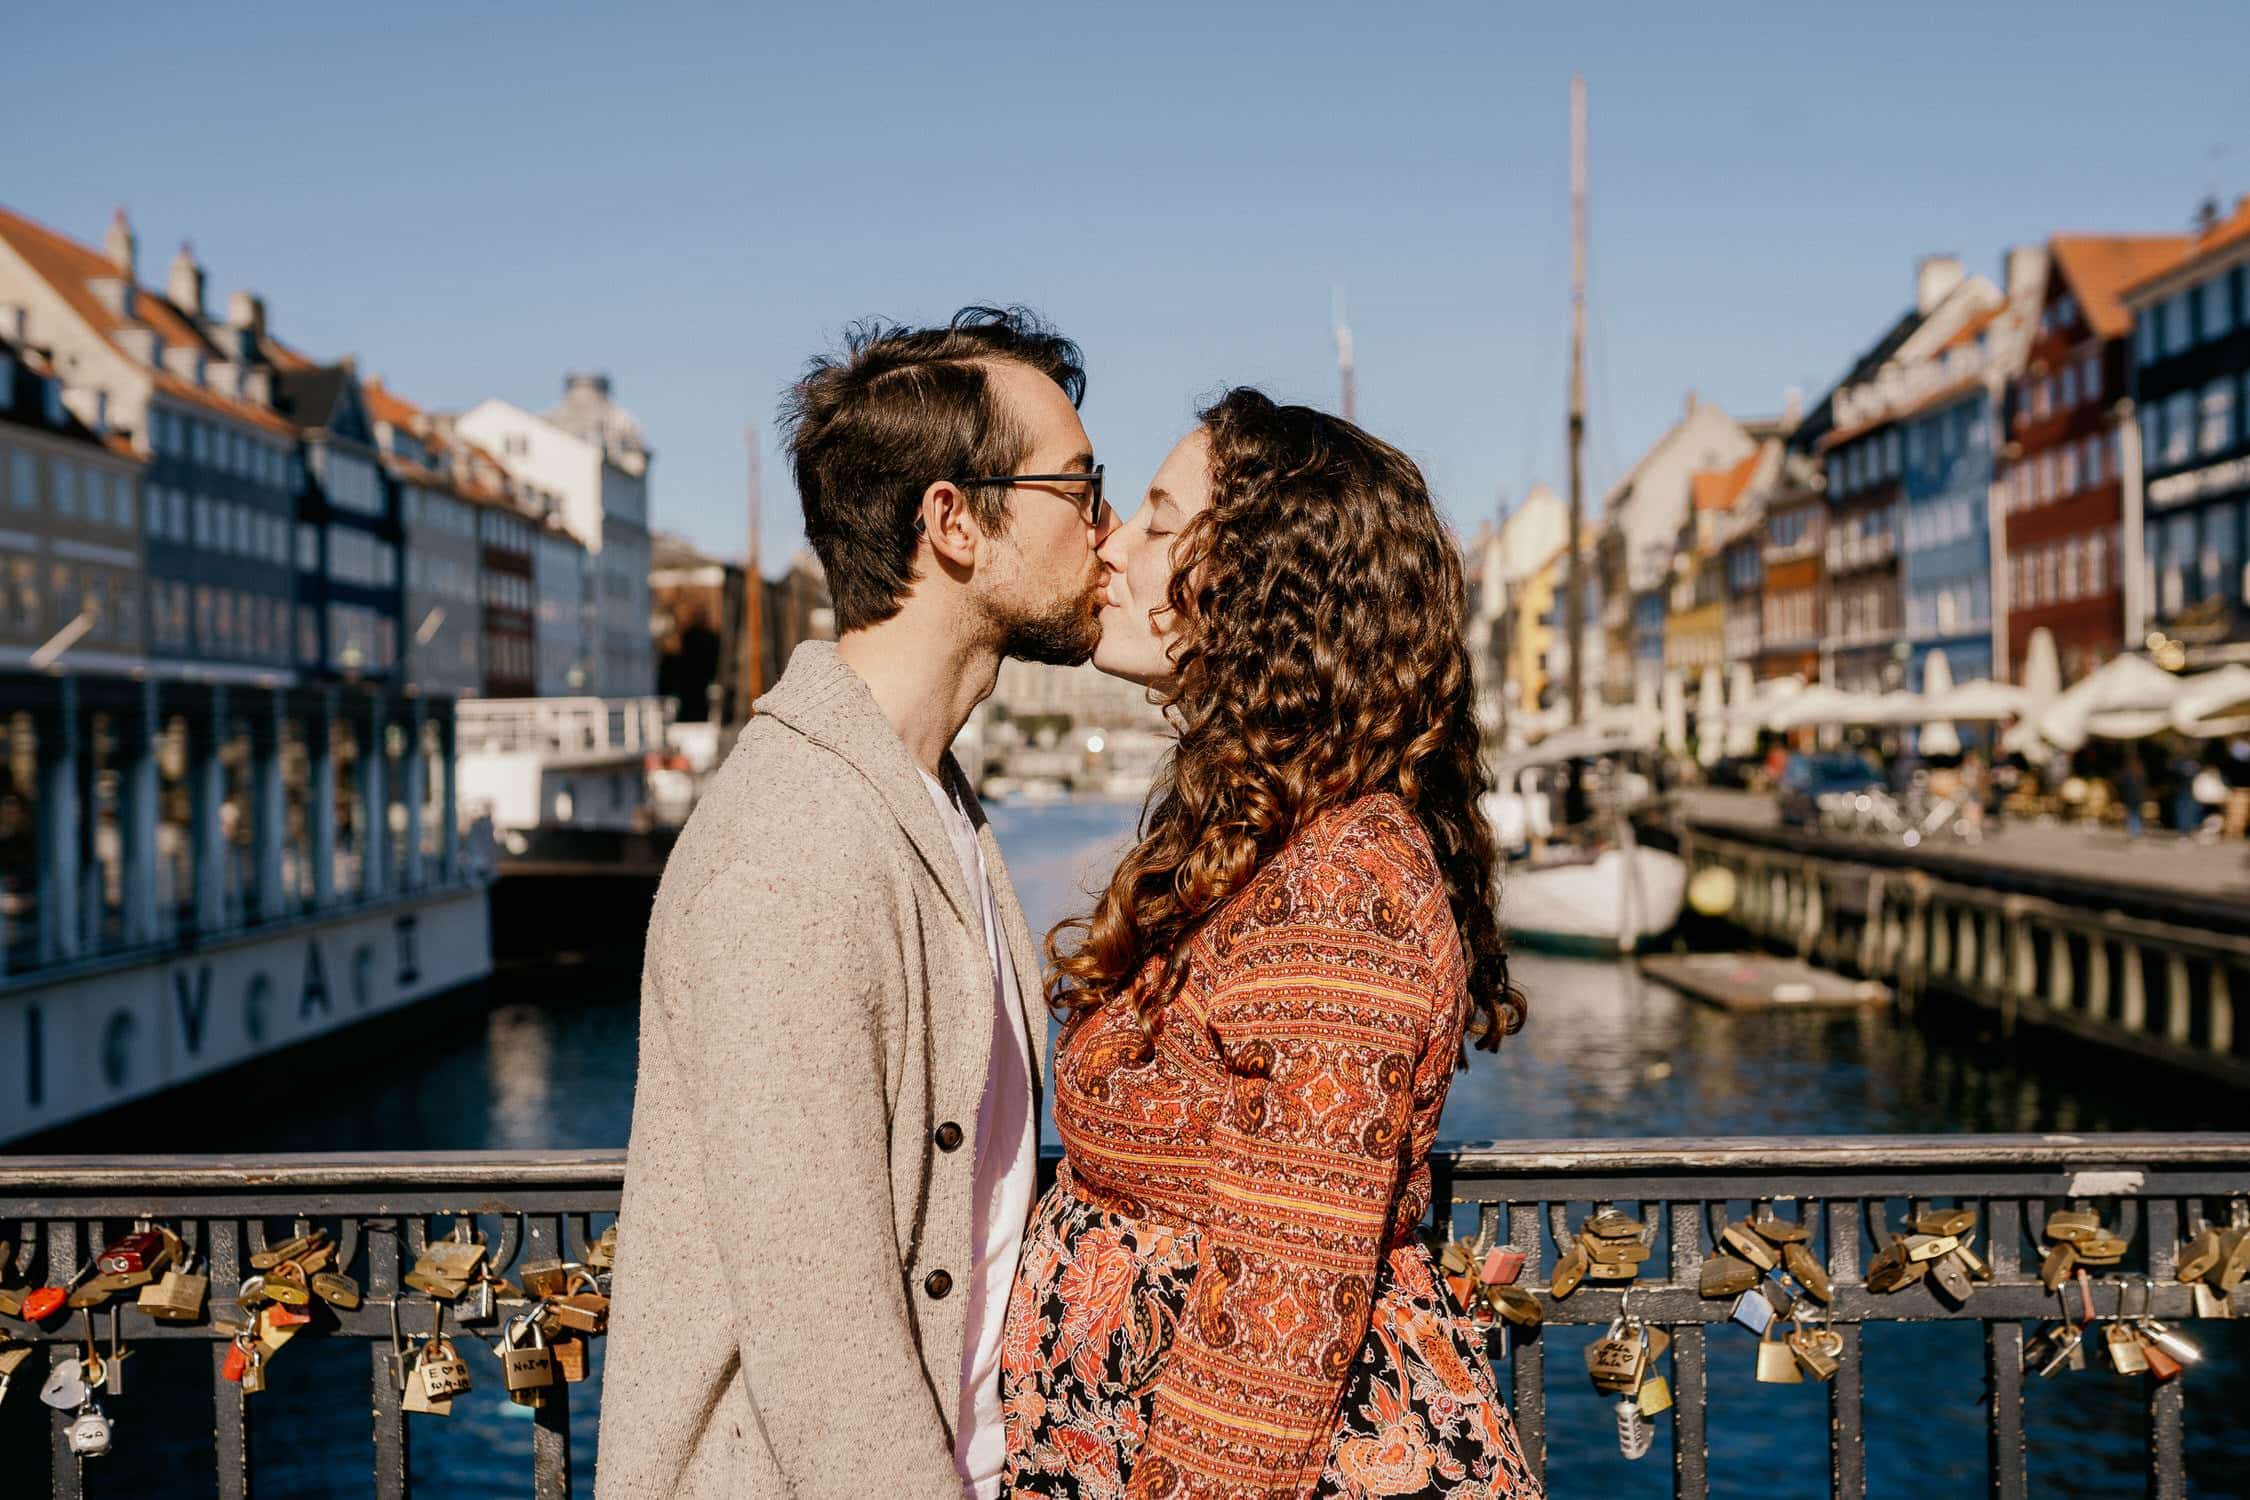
(2127, 699)
(1742, 730)
(1710, 713)
(1980, 701)
(2214, 703)
(1939, 737)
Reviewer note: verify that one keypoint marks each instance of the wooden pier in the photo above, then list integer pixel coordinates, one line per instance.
(2139, 947)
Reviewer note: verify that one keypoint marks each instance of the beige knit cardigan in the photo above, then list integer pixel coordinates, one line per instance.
(816, 1022)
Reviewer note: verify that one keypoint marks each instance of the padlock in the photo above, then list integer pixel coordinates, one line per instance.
(543, 1279)
(445, 1374)
(142, 1253)
(336, 1289)
(570, 1357)
(602, 1254)
(288, 1284)
(527, 1365)
(177, 1295)
(583, 1309)
(1502, 1265)
(89, 1432)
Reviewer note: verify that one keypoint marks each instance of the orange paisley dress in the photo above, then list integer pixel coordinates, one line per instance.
(1224, 1295)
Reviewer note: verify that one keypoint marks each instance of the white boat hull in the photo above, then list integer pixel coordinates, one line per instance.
(1616, 902)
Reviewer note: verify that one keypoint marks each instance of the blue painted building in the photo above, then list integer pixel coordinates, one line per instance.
(1945, 568)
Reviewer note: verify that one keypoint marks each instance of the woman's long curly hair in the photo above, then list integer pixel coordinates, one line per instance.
(1317, 617)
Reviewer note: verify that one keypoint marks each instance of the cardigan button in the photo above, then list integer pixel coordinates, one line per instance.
(948, 1137)
(937, 1284)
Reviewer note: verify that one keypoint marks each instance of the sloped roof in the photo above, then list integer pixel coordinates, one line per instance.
(2099, 267)
(1818, 422)
(71, 269)
(1718, 489)
(2227, 234)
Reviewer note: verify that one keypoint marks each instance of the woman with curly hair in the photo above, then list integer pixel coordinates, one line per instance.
(1223, 1294)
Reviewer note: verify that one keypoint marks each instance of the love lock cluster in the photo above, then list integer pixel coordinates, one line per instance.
(1623, 1363)
(1940, 1247)
(1483, 1282)
(563, 1303)
(2215, 1261)
(2075, 1237)
(149, 1259)
(1610, 1246)
(2136, 1343)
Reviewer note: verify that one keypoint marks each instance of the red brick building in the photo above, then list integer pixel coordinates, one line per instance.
(2059, 485)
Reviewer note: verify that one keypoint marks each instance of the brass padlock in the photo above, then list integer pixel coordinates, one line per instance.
(289, 1249)
(527, 1364)
(543, 1279)
(176, 1296)
(336, 1289)
(602, 1254)
(288, 1285)
(445, 1374)
(583, 1309)
(570, 1358)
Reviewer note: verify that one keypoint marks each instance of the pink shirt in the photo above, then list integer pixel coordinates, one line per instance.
(1006, 1170)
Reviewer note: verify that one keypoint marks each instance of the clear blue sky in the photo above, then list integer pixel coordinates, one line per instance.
(475, 198)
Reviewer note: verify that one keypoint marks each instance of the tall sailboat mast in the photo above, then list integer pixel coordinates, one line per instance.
(1574, 616)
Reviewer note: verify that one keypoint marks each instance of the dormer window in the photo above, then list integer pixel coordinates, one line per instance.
(51, 394)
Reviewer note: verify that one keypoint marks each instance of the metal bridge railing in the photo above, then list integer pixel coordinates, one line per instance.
(381, 1211)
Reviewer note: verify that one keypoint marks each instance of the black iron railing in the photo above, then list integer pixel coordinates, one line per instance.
(381, 1211)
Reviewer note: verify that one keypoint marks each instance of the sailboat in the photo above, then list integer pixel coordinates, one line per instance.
(1591, 888)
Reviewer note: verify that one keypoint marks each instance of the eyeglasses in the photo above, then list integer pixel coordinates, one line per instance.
(1089, 505)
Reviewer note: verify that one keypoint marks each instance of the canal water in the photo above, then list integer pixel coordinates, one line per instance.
(543, 1057)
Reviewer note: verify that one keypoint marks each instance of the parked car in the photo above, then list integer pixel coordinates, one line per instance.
(1807, 781)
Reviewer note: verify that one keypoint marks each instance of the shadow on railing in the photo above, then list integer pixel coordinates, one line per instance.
(1957, 1227)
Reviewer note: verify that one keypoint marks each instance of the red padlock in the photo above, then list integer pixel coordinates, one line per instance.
(236, 1364)
(136, 1252)
(282, 1315)
(1502, 1265)
(44, 1303)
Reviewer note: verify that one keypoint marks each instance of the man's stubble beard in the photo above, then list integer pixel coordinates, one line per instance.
(1064, 636)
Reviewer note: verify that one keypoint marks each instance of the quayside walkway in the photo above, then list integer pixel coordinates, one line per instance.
(1676, 1233)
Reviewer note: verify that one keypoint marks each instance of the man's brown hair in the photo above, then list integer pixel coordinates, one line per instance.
(872, 427)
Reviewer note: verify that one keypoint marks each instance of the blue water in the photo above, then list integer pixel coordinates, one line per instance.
(546, 1059)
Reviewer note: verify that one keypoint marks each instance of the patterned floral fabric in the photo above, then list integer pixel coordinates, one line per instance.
(1223, 1295)
(1092, 1318)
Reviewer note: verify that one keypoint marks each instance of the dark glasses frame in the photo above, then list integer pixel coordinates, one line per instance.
(1090, 508)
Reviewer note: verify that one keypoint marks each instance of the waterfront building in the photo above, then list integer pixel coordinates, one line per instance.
(349, 598)
(696, 605)
(505, 537)
(2191, 359)
(1791, 542)
(1696, 624)
(70, 536)
(588, 461)
(1545, 600)
(190, 395)
(439, 498)
(1858, 434)
(1642, 516)
(564, 630)
(1520, 577)
(2061, 489)
(1946, 578)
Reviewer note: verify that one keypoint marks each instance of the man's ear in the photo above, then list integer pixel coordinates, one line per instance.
(947, 524)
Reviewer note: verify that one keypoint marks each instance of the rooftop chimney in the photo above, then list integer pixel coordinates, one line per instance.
(593, 381)
(2207, 215)
(1792, 407)
(1934, 277)
(120, 245)
(247, 311)
(1688, 408)
(183, 284)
